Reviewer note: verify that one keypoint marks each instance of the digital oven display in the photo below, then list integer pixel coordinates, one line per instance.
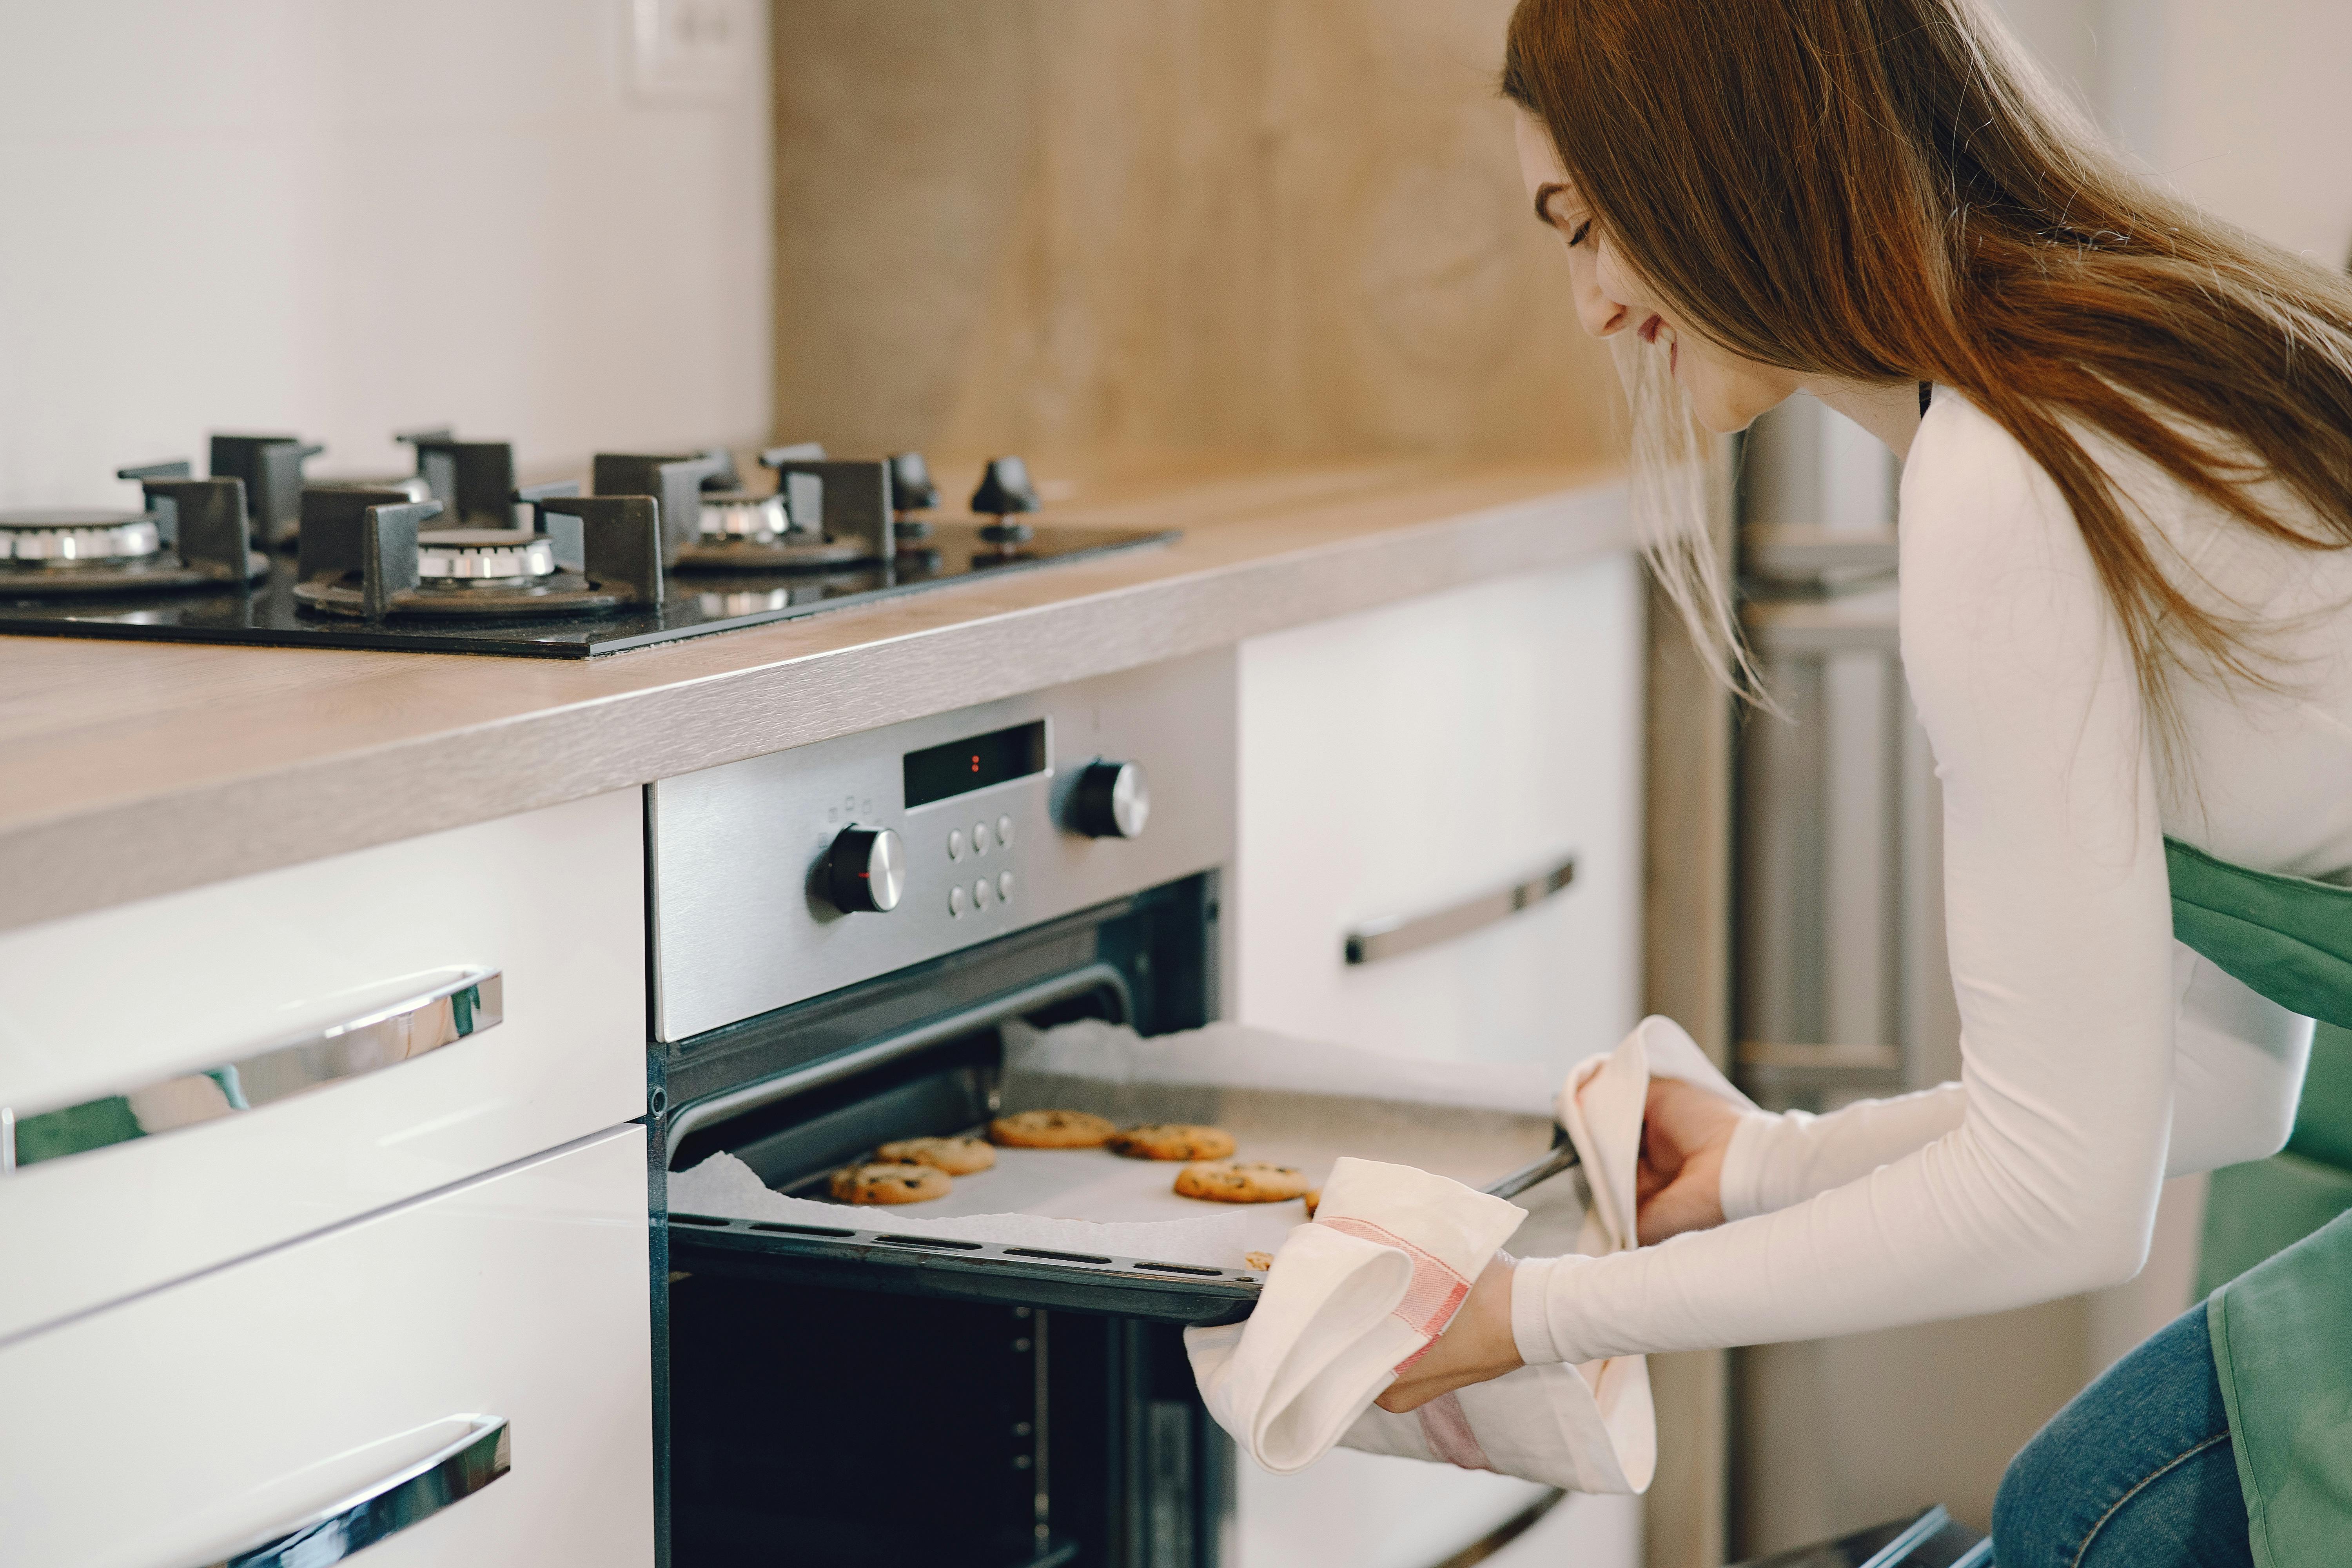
(959, 767)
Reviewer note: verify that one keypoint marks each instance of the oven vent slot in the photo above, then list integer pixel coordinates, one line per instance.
(782, 1229)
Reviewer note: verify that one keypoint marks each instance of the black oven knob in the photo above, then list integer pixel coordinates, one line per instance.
(1111, 801)
(866, 870)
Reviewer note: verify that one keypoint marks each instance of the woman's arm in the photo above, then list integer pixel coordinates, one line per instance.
(1774, 1161)
(2238, 1060)
(2059, 925)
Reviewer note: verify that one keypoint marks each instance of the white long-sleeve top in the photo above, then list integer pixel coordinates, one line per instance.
(2097, 1054)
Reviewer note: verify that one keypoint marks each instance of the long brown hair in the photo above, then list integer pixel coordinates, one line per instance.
(1884, 189)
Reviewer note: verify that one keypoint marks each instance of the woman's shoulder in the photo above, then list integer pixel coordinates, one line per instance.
(1965, 471)
(1977, 510)
(2008, 638)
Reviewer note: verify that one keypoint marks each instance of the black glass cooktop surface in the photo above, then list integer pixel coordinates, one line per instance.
(697, 601)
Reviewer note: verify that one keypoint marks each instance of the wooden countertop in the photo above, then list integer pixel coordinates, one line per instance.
(130, 770)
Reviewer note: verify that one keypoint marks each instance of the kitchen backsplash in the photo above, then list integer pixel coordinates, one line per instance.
(342, 220)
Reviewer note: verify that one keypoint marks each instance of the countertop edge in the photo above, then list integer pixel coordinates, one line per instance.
(218, 831)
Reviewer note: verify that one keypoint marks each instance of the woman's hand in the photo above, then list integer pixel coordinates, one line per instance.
(1679, 1184)
(1475, 1346)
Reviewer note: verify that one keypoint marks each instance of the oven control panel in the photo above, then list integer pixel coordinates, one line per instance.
(785, 876)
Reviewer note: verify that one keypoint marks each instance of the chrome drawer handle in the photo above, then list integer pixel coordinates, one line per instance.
(386, 1507)
(465, 1003)
(1376, 940)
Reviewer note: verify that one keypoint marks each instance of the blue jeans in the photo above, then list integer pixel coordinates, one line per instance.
(2137, 1471)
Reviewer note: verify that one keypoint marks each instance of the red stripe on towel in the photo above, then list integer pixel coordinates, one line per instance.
(1430, 1300)
(1447, 1429)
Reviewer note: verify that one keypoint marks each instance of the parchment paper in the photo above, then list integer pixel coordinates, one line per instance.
(1291, 1102)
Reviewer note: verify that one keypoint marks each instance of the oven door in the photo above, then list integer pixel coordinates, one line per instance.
(797, 1092)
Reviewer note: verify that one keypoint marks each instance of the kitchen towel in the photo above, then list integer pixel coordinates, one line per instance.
(1360, 1292)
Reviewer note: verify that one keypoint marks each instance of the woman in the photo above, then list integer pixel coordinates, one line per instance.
(2127, 619)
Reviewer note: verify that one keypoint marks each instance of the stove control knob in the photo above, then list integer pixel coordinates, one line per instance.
(1111, 800)
(866, 870)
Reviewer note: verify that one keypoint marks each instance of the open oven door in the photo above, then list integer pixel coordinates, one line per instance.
(843, 1392)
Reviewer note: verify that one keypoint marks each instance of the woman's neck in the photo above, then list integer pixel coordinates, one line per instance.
(1887, 409)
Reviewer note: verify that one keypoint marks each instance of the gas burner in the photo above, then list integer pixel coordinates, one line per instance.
(484, 558)
(823, 514)
(68, 539)
(191, 536)
(90, 552)
(365, 555)
(782, 532)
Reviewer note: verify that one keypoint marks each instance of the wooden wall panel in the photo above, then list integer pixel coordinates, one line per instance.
(1091, 229)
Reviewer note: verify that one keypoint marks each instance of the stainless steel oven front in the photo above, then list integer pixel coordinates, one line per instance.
(839, 932)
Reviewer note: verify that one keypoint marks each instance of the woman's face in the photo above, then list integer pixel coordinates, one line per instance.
(1726, 391)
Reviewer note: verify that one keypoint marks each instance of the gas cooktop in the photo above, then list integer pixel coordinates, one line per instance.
(456, 558)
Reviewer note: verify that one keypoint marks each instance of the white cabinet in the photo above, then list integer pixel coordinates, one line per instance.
(109, 1004)
(1398, 761)
(1403, 759)
(191, 1421)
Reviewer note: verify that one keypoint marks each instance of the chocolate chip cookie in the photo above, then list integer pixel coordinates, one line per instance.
(1172, 1140)
(956, 1156)
(1240, 1181)
(890, 1183)
(1051, 1129)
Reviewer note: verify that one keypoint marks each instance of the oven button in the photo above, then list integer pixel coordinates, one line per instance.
(984, 893)
(955, 844)
(866, 870)
(955, 901)
(979, 838)
(1004, 885)
(1111, 801)
(1004, 831)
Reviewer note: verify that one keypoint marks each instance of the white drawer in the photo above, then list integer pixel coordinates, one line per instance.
(176, 1428)
(1397, 763)
(111, 1002)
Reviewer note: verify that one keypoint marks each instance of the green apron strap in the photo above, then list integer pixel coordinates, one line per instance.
(2288, 938)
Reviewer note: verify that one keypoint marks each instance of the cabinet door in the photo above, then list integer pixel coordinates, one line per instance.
(1404, 760)
(125, 1010)
(193, 1421)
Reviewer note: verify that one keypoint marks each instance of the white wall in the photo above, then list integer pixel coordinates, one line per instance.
(2242, 106)
(338, 220)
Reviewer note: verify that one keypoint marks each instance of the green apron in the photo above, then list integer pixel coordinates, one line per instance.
(2282, 1329)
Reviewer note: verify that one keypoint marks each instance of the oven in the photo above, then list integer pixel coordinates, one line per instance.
(840, 934)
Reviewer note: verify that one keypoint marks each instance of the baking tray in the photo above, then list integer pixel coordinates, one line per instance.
(1504, 1151)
